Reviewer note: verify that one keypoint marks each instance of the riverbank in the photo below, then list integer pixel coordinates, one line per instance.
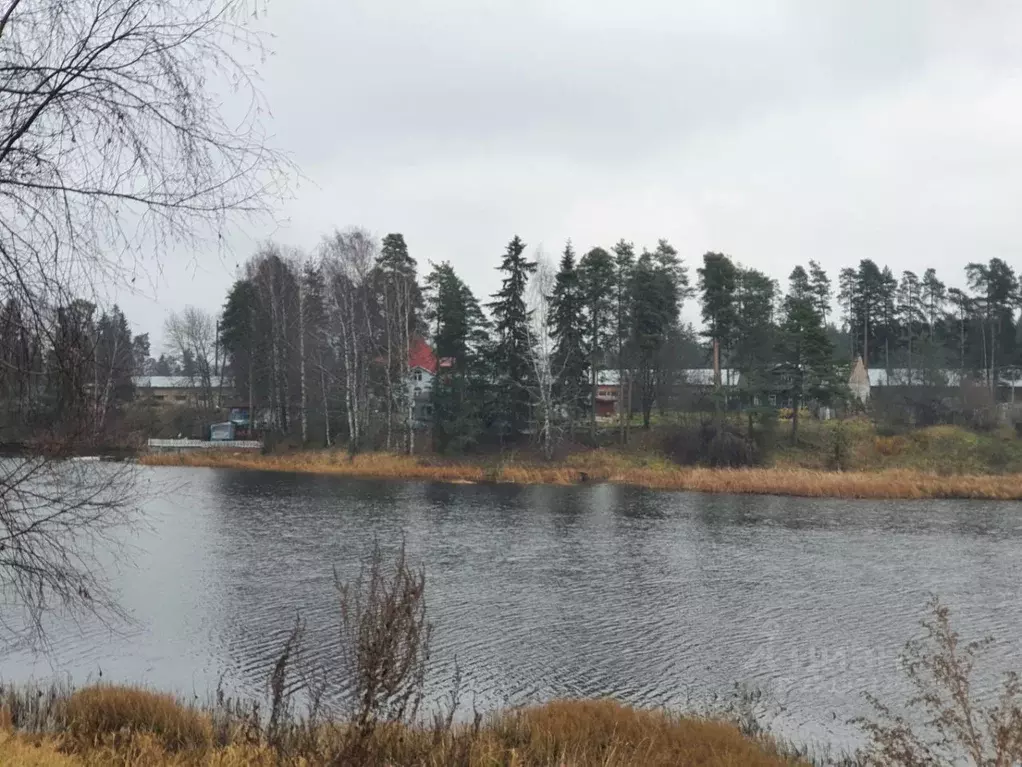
(610, 466)
(108, 725)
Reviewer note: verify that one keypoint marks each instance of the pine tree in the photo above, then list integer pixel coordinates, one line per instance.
(819, 285)
(718, 279)
(596, 285)
(654, 295)
(567, 327)
(911, 318)
(889, 313)
(512, 350)
(805, 347)
(868, 297)
(753, 345)
(996, 289)
(934, 300)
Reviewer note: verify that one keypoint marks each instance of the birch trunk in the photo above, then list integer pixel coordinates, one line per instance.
(326, 401)
(389, 378)
(275, 354)
(301, 359)
(408, 400)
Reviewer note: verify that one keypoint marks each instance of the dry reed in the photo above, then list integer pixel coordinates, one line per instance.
(569, 733)
(606, 466)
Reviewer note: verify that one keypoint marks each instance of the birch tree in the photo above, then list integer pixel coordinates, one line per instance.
(348, 259)
(300, 266)
(192, 333)
(544, 379)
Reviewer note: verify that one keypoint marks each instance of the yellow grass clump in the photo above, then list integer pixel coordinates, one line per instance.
(96, 713)
(568, 733)
(608, 466)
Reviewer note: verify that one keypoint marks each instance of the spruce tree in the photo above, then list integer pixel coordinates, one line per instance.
(460, 339)
(245, 335)
(512, 350)
(567, 327)
(399, 271)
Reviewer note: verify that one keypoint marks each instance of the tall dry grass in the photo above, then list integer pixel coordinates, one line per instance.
(569, 733)
(609, 466)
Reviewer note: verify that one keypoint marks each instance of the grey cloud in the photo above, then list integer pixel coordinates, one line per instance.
(778, 131)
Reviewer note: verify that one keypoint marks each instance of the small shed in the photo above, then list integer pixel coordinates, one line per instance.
(222, 432)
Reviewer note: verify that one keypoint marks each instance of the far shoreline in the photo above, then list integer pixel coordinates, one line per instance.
(606, 467)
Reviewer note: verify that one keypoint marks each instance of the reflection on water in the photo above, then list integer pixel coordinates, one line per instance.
(539, 592)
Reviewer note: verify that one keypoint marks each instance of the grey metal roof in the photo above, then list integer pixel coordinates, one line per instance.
(175, 382)
(950, 377)
(694, 376)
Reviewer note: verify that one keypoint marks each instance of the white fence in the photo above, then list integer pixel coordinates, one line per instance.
(201, 444)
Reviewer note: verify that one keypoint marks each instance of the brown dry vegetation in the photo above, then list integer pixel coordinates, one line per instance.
(128, 726)
(786, 478)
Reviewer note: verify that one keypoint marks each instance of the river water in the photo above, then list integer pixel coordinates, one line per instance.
(541, 592)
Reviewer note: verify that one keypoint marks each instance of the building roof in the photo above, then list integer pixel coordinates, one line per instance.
(906, 377)
(704, 376)
(693, 376)
(175, 382)
(421, 355)
(949, 377)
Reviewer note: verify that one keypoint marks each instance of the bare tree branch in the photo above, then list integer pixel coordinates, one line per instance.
(114, 147)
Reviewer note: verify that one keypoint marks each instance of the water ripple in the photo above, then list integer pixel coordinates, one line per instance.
(655, 598)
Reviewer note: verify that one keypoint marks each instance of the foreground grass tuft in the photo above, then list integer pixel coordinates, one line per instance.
(127, 726)
(97, 714)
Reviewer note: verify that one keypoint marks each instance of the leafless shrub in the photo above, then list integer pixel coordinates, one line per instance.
(956, 728)
(282, 712)
(384, 643)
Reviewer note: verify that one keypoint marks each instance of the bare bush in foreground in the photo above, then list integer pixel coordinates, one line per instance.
(384, 642)
(956, 727)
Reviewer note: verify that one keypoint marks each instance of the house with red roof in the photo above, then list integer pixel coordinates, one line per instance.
(422, 369)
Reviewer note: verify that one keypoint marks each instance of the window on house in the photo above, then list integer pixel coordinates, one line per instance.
(773, 400)
(418, 391)
(417, 375)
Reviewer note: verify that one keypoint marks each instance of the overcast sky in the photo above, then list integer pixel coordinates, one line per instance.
(773, 131)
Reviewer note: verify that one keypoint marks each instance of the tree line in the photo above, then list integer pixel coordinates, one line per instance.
(321, 342)
(65, 371)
